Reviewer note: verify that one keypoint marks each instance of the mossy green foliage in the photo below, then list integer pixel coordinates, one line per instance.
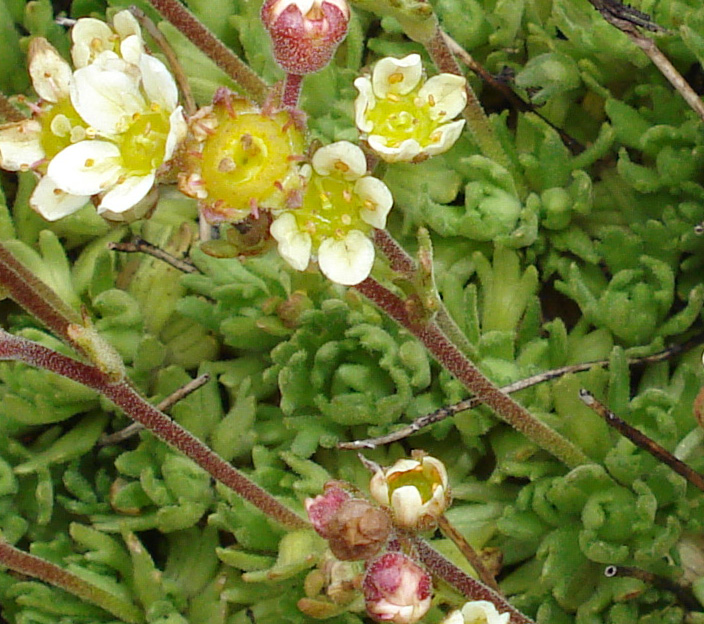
(597, 259)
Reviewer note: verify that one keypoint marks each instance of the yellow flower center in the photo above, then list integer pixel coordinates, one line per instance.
(61, 126)
(401, 117)
(330, 209)
(143, 145)
(249, 156)
(424, 478)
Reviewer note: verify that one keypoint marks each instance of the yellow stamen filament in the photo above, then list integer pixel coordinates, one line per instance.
(369, 204)
(341, 166)
(431, 99)
(89, 162)
(435, 137)
(395, 78)
(393, 97)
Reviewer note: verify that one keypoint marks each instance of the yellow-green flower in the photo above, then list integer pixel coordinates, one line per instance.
(405, 118)
(340, 207)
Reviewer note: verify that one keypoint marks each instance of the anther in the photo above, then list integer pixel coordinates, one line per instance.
(395, 78)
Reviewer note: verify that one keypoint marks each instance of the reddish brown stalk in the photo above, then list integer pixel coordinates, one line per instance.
(449, 356)
(36, 567)
(36, 297)
(126, 398)
(216, 50)
(292, 90)
(398, 257)
(465, 584)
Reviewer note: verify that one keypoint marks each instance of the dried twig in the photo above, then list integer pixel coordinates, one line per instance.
(683, 593)
(139, 245)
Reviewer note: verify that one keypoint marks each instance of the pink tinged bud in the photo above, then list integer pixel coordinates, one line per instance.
(396, 589)
(305, 33)
(323, 508)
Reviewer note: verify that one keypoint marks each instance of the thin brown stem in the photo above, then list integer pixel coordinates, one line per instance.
(189, 103)
(38, 568)
(451, 410)
(137, 408)
(462, 582)
(8, 112)
(683, 594)
(292, 90)
(163, 406)
(139, 245)
(642, 441)
(216, 50)
(450, 357)
(468, 552)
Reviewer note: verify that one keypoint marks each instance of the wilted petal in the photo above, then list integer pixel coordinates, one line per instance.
(106, 98)
(444, 137)
(404, 152)
(294, 245)
(177, 132)
(376, 199)
(87, 167)
(158, 82)
(51, 74)
(341, 158)
(365, 102)
(348, 261)
(125, 195)
(447, 95)
(399, 76)
(90, 37)
(20, 145)
(52, 203)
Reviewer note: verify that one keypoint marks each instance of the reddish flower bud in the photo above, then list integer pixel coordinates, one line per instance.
(396, 589)
(323, 508)
(305, 33)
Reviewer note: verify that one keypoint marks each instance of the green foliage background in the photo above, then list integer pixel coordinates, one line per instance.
(591, 255)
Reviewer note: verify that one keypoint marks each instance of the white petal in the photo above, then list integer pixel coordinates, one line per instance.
(402, 465)
(87, 167)
(132, 49)
(126, 24)
(294, 245)
(406, 73)
(106, 98)
(375, 191)
(405, 152)
(407, 505)
(455, 617)
(158, 82)
(348, 261)
(177, 132)
(341, 158)
(449, 96)
(379, 488)
(90, 37)
(365, 102)
(51, 74)
(20, 145)
(483, 611)
(52, 203)
(446, 136)
(125, 195)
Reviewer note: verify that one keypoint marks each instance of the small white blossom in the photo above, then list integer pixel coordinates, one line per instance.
(340, 207)
(91, 37)
(477, 612)
(416, 490)
(404, 117)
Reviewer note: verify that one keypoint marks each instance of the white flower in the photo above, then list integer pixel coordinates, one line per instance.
(405, 118)
(477, 612)
(133, 112)
(91, 37)
(340, 207)
(416, 490)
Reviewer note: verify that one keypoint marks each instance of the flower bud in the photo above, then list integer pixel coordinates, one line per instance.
(396, 589)
(305, 33)
(476, 612)
(355, 529)
(415, 489)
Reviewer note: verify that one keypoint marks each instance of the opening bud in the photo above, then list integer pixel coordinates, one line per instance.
(396, 589)
(416, 490)
(477, 612)
(355, 529)
(305, 33)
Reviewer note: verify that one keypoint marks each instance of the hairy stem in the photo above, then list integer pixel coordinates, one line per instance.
(216, 50)
(292, 90)
(38, 568)
(167, 430)
(450, 357)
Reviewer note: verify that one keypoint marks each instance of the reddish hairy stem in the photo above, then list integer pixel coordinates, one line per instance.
(449, 356)
(465, 584)
(41, 569)
(126, 398)
(292, 90)
(216, 50)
